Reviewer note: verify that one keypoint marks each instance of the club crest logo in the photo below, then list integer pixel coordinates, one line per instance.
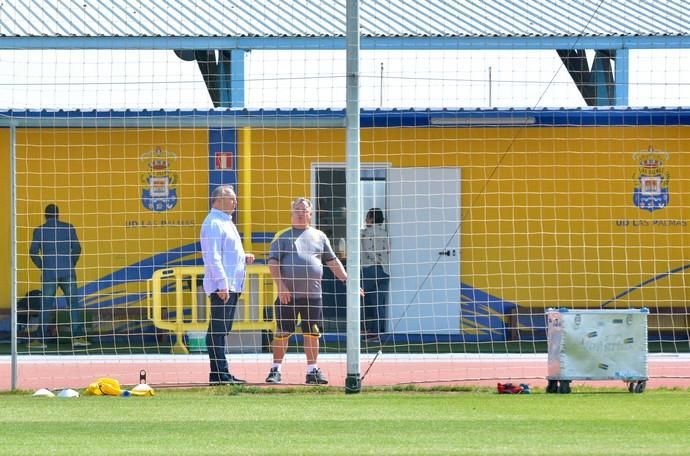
(651, 180)
(159, 192)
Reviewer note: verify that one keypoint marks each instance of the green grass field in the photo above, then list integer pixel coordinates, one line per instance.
(230, 420)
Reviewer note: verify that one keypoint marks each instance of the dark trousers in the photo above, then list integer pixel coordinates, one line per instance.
(68, 284)
(222, 314)
(375, 283)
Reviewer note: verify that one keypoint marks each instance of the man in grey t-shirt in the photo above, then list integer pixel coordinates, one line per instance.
(296, 259)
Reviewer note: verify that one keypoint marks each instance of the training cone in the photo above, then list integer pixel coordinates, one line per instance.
(68, 393)
(143, 389)
(43, 392)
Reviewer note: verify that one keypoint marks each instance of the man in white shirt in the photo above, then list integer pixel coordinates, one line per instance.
(224, 269)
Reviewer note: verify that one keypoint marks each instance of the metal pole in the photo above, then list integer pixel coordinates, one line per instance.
(489, 86)
(381, 88)
(353, 383)
(13, 254)
(622, 77)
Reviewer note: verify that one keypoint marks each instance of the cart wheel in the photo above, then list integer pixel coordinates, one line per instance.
(631, 387)
(640, 387)
(564, 387)
(552, 387)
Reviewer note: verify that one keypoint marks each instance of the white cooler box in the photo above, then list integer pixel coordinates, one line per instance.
(596, 345)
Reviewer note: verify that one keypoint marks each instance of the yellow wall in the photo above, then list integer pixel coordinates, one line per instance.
(281, 162)
(96, 177)
(540, 206)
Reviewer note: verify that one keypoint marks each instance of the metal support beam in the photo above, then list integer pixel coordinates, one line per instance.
(338, 42)
(224, 70)
(236, 80)
(622, 77)
(601, 77)
(223, 73)
(597, 86)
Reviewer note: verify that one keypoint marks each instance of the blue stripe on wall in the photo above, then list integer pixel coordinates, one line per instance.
(222, 138)
(222, 141)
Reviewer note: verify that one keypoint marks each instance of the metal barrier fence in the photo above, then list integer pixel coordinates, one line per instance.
(176, 302)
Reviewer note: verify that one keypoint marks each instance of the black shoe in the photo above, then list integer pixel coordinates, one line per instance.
(225, 379)
(315, 377)
(274, 376)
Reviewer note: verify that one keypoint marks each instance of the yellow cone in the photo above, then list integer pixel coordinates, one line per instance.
(143, 389)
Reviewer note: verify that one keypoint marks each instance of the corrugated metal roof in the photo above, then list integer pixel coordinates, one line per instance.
(378, 18)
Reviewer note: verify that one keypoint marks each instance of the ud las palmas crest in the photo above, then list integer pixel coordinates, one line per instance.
(651, 180)
(159, 193)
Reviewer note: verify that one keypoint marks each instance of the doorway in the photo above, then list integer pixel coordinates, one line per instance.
(421, 208)
(330, 204)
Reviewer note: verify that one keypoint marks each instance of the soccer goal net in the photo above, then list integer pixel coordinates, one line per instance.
(491, 190)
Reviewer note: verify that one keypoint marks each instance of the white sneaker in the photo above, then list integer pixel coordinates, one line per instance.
(37, 344)
(80, 342)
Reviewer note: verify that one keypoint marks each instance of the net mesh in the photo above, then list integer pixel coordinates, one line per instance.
(491, 215)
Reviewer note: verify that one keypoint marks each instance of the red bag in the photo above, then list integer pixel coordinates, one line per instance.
(509, 388)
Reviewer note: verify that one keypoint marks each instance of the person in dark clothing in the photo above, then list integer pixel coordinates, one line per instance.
(296, 258)
(55, 250)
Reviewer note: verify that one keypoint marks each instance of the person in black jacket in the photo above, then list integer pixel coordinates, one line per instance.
(55, 250)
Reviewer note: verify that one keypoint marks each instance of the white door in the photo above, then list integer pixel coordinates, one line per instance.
(424, 229)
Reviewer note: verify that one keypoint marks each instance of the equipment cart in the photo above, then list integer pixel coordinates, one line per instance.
(598, 344)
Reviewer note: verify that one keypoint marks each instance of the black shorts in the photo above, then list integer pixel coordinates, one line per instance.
(310, 311)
